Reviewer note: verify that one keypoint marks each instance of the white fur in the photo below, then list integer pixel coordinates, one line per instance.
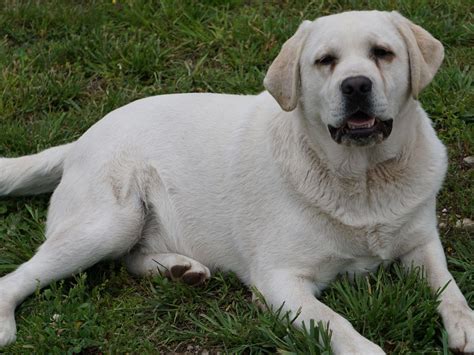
(236, 183)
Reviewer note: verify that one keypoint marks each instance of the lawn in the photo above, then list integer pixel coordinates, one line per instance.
(65, 64)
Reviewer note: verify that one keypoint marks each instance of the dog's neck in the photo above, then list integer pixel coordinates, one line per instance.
(356, 161)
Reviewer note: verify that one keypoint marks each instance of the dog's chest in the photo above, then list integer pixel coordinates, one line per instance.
(355, 252)
(369, 203)
(376, 241)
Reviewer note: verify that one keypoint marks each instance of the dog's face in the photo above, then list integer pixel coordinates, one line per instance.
(352, 73)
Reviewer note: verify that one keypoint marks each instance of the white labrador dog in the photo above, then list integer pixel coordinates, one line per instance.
(337, 172)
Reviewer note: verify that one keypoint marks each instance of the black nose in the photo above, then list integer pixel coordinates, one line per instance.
(356, 86)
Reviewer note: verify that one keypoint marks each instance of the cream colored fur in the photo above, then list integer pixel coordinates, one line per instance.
(249, 185)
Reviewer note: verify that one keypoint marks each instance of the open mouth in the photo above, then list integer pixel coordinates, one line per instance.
(362, 129)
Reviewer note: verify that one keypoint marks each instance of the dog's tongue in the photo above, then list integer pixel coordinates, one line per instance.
(360, 121)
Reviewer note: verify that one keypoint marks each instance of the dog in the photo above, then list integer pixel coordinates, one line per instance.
(333, 169)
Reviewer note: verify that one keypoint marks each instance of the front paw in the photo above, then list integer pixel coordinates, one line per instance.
(354, 346)
(459, 323)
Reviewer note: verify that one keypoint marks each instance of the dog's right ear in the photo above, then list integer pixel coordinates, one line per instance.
(283, 77)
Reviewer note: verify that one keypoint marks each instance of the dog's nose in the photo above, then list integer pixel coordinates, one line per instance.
(356, 86)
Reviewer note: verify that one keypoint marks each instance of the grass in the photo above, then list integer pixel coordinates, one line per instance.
(66, 64)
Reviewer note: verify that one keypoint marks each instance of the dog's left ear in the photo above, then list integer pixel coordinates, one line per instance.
(425, 52)
(283, 77)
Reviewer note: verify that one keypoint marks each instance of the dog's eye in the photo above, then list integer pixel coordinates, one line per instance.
(326, 60)
(382, 53)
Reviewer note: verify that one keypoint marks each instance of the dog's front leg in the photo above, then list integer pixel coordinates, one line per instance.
(458, 318)
(296, 294)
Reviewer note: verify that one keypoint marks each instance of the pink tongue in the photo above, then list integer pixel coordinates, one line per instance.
(359, 123)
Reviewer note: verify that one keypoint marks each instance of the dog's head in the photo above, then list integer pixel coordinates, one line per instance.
(353, 72)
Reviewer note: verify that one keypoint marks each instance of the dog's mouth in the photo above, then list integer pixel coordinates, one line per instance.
(360, 129)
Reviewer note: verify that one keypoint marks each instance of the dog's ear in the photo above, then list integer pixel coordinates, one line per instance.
(425, 52)
(283, 77)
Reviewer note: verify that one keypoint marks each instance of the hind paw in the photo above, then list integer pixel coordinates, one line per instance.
(190, 272)
(7, 328)
(174, 266)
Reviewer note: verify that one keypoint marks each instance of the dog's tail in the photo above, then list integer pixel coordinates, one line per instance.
(33, 174)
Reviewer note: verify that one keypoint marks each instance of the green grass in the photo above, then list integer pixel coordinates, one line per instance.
(65, 64)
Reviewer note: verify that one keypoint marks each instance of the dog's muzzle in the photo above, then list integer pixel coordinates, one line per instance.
(361, 129)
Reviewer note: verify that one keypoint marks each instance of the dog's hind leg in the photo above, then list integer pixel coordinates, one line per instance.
(174, 266)
(85, 226)
(145, 260)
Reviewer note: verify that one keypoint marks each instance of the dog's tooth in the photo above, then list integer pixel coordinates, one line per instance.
(355, 125)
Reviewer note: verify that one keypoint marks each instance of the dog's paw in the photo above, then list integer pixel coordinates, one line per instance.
(459, 323)
(359, 345)
(7, 328)
(190, 272)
